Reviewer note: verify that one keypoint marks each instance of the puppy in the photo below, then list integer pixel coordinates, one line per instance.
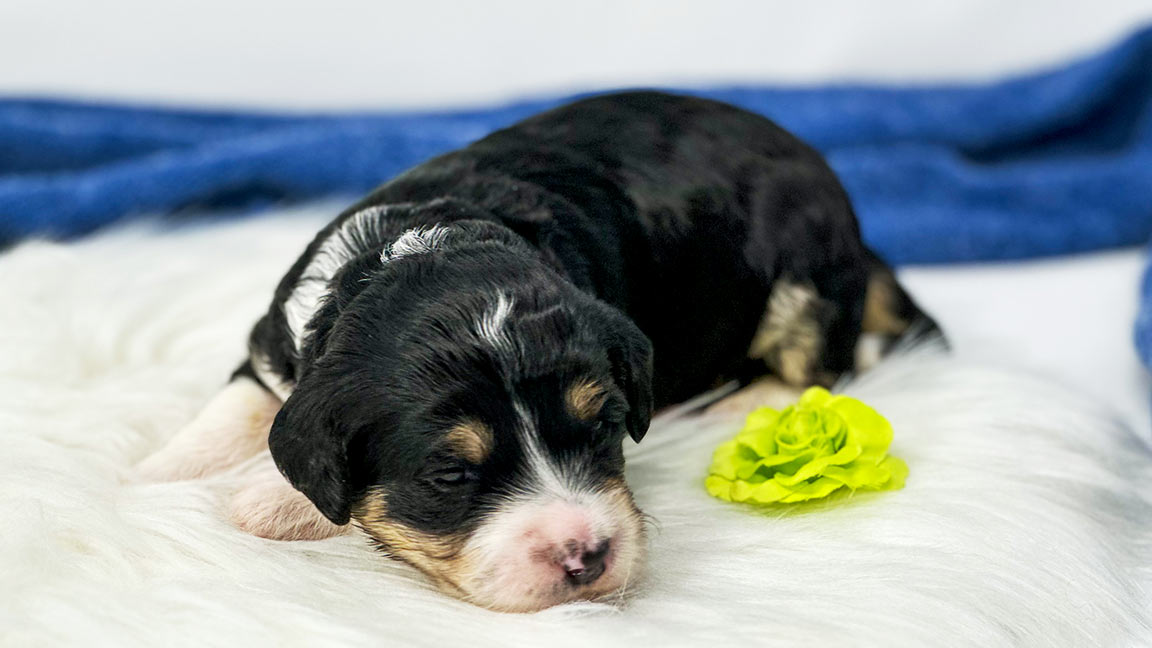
(454, 362)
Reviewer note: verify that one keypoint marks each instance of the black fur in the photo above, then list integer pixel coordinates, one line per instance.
(638, 235)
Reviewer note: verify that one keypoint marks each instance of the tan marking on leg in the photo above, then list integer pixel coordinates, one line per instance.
(266, 505)
(869, 350)
(790, 338)
(879, 306)
(232, 427)
(472, 440)
(585, 399)
(765, 392)
(795, 365)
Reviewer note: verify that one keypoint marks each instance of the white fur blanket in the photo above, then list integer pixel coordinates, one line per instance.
(1026, 520)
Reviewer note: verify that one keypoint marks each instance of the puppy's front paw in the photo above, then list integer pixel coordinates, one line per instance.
(267, 506)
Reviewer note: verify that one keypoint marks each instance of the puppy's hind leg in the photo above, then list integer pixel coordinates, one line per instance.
(231, 428)
(809, 328)
(792, 340)
(891, 318)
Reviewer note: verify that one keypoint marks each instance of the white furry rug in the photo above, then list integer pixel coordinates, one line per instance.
(1026, 520)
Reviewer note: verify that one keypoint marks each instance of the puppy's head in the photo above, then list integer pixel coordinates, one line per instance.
(468, 413)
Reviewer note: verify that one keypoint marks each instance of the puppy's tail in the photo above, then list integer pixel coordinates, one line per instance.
(891, 314)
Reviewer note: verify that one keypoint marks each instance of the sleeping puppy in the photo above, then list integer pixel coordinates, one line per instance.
(454, 362)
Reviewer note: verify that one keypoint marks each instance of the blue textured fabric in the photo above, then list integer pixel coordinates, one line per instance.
(1053, 162)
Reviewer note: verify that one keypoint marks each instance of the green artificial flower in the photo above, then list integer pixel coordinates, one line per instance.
(808, 450)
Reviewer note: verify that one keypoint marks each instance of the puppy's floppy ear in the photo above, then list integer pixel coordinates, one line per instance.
(310, 447)
(630, 353)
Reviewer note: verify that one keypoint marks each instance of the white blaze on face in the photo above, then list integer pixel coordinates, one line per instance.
(541, 546)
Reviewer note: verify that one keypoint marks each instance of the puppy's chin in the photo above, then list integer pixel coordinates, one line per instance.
(532, 552)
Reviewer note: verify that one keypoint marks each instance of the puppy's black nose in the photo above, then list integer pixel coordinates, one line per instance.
(588, 567)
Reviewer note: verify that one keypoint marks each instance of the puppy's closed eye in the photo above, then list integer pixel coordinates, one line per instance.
(452, 476)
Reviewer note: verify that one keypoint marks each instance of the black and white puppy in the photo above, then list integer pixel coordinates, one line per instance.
(454, 362)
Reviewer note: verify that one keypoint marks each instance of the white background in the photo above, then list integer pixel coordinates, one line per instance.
(372, 53)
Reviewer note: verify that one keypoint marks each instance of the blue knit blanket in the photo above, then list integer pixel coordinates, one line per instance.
(1054, 162)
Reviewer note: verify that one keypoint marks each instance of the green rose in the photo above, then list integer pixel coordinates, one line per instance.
(819, 445)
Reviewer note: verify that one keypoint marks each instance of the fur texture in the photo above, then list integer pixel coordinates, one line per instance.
(1026, 521)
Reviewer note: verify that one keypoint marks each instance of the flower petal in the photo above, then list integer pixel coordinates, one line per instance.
(759, 431)
(819, 465)
(765, 493)
(726, 460)
(867, 427)
(814, 397)
(741, 491)
(812, 490)
(898, 471)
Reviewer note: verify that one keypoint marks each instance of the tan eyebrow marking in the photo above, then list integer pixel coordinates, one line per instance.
(584, 399)
(472, 439)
